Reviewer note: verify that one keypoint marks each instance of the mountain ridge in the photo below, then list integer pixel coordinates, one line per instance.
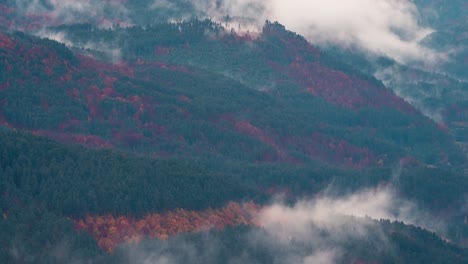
(117, 133)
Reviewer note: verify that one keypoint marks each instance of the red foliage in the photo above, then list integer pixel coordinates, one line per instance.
(35, 58)
(249, 129)
(334, 86)
(129, 139)
(316, 146)
(443, 127)
(87, 140)
(31, 21)
(343, 89)
(267, 138)
(3, 121)
(4, 22)
(160, 50)
(111, 231)
(102, 67)
(75, 93)
(5, 86)
(409, 161)
(184, 98)
(6, 42)
(70, 124)
(158, 130)
(278, 191)
(109, 81)
(239, 37)
(5, 10)
(335, 151)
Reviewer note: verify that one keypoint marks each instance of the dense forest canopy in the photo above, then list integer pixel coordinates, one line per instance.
(176, 139)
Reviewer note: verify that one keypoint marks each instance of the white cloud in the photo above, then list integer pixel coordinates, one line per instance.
(304, 219)
(111, 52)
(383, 27)
(311, 231)
(401, 82)
(322, 257)
(330, 213)
(163, 4)
(346, 218)
(76, 11)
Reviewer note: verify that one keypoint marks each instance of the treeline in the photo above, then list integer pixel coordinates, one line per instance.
(43, 183)
(384, 242)
(277, 82)
(75, 181)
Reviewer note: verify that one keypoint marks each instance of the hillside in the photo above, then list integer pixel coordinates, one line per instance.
(157, 141)
(162, 107)
(437, 89)
(49, 197)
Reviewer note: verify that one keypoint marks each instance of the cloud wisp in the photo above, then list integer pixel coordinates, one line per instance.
(344, 218)
(110, 52)
(103, 13)
(383, 27)
(309, 231)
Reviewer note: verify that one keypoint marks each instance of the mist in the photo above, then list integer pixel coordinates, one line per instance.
(103, 13)
(109, 51)
(389, 28)
(317, 230)
(383, 27)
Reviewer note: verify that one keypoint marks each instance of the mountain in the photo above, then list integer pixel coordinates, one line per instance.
(439, 90)
(121, 141)
(210, 96)
(52, 193)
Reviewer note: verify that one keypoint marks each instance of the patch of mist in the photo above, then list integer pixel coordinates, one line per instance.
(76, 11)
(393, 79)
(384, 27)
(109, 51)
(173, 251)
(309, 231)
(162, 4)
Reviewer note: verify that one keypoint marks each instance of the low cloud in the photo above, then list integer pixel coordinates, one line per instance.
(77, 11)
(106, 50)
(387, 27)
(174, 251)
(339, 218)
(310, 231)
(57, 36)
(163, 4)
(383, 27)
(405, 86)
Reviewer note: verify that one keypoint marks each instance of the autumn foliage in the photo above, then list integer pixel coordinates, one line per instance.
(156, 102)
(110, 231)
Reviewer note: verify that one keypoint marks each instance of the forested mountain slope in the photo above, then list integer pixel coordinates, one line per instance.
(51, 192)
(146, 142)
(438, 89)
(292, 108)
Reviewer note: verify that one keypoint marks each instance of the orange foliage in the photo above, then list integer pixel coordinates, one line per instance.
(110, 232)
(6, 42)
